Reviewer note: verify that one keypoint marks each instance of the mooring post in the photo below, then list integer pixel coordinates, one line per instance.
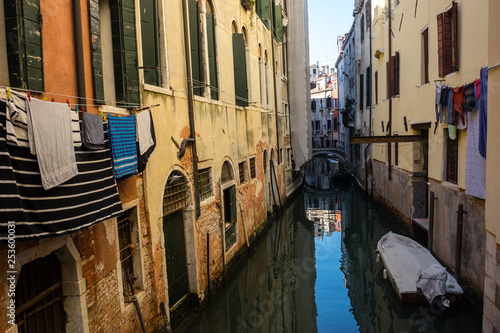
(430, 236)
(458, 245)
(208, 264)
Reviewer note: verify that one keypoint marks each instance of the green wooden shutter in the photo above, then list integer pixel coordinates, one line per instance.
(23, 27)
(368, 86)
(232, 203)
(240, 70)
(212, 56)
(263, 9)
(278, 24)
(361, 92)
(95, 35)
(125, 51)
(194, 37)
(150, 49)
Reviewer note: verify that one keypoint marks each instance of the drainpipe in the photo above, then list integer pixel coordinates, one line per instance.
(390, 95)
(187, 51)
(80, 68)
(273, 9)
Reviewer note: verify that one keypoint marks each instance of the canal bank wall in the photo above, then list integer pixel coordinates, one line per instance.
(406, 196)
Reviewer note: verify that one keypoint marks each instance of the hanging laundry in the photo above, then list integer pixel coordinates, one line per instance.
(477, 84)
(75, 126)
(475, 164)
(452, 131)
(143, 158)
(88, 198)
(51, 140)
(458, 106)
(123, 145)
(437, 102)
(92, 131)
(144, 131)
(444, 103)
(17, 120)
(483, 112)
(469, 97)
(449, 118)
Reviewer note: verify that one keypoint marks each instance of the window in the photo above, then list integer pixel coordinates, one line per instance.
(329, 122)
(240, 70)
(194, 38)
(205, 183)
(451, 159)
(425, 56)
(335, 86)
(278, 24)
(266, 75)
(314, 70)
(318, 123)
(176, 193)
(242, 167)
(362, 28)
(227, 172)
(126, 251)
(447, 23)
(262, 9)
(361, 91)
(312, 123)
(230, 216)
(261, 78)
(396, 152)
(376, 87)
(328, 102)
(335, 103)
(335, 124)
(23, 29)
(393, 78)
(253, 169)
(150, 42)
(212, 52)
(39, 301)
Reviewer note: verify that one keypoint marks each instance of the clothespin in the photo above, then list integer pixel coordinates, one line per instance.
(8, 92)
(83, 110)
(76, 109)
(135, 113)
(29, 96)
(67, 101)
(102, 115)
(44, 99)
(53, 99)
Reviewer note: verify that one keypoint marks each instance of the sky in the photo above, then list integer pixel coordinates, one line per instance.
(327, 20)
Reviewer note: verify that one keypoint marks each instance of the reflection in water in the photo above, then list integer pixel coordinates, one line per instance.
(315, 271)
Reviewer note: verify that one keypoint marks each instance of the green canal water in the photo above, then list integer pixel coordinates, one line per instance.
(315, 270)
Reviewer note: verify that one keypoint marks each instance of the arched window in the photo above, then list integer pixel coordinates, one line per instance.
(176, 193)
(227, 173)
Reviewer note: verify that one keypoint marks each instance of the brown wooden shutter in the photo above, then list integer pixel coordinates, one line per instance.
(455, 34)
(425, 35)
(440, 26)
(393, 76)
(376, 87)
(447, 43)
(396, 74)
(388, 79)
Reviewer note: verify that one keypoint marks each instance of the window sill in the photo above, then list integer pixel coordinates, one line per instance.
(156, 89)
(129, 306)
(208, 100)
(207, 201)
(449, 185)
(114, 110)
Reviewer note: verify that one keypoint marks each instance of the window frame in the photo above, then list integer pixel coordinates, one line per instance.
(451, 155)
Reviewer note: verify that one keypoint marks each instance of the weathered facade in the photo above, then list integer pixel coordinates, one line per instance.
(217, 76)
(324, 107)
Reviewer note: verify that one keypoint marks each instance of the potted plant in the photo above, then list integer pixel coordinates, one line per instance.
(248, 4)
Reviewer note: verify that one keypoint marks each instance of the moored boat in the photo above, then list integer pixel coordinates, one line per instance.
(414, 272)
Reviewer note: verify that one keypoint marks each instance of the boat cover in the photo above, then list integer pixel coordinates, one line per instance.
(406, 261)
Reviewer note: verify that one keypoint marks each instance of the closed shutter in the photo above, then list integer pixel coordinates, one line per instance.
(376, 87)
(445, 46)
(263, 9)
(361, 91)
(440, 27)
(194, 37)
(232, 203)
(278, 24)
(23, 28)
(313, 105)
(455, 34)
(240, 70)
(425, 35)
(388, 78)
(368, 86)
(125, 51)
(150, 38)
(393, 76)
(328, 102)
(95, 34)
(396, 74)
(212, 59)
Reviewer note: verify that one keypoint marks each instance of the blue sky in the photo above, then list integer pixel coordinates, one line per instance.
(327, 20)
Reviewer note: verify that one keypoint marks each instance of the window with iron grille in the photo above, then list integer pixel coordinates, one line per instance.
(205, 183)
(176, 193)
(126, 251)
(227, 172)
(253, 169)
(242, 167)
(451, 159)
(39, 301)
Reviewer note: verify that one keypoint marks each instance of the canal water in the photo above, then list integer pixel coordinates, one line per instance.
(315, 270)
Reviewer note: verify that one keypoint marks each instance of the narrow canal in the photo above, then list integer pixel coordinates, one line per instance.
(315, 271)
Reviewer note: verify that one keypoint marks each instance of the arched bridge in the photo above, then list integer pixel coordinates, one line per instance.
(326, 147)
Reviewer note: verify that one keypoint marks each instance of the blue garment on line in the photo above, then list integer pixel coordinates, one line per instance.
(449, 118)
(122, 136)
(483, 112)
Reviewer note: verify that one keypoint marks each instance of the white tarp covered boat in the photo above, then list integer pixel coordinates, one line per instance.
(415, 273)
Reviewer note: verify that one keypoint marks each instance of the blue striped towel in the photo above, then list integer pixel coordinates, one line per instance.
(123, 145)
